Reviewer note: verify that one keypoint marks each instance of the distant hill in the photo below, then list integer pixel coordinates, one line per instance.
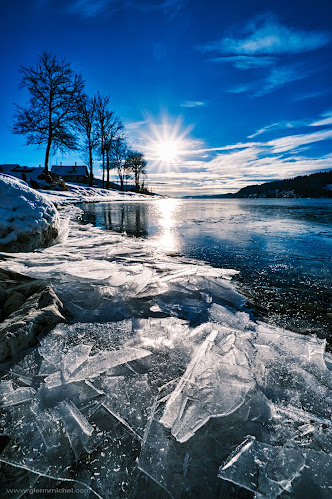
(316, 185)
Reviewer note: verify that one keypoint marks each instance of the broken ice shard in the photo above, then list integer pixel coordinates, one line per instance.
(129, 399)
(94, 365)
(15, 397)
(72, 362)
(77, 427)
(215, 383)
(265, 469)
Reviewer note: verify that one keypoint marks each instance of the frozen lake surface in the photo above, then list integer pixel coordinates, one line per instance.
(282, 247)
(164, 384)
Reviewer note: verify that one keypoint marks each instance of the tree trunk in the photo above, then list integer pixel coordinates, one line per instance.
(107, 170)
(47, 155)
(91, 165)
(103, 153)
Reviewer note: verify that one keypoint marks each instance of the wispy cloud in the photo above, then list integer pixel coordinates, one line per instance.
(190, 103)
(231, 172)
(265, 35)
(246, 61)
(279, 126)
(94, 8)
(134, 125)
(311, 95)
(279, 77)
(327, 120)
(276, 78)
(264, 43)
(293, 142)
(228, 168)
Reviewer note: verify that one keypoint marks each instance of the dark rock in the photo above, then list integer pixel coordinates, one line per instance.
(30, 308)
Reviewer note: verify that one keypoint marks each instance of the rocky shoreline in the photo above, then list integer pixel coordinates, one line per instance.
(29, 308)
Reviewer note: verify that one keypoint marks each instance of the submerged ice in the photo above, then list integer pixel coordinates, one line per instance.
(162, 383)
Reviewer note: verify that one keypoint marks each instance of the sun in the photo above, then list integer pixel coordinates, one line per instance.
(168, 151)
(166, 143)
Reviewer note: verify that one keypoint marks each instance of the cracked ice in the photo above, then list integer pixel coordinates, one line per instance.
(162, 382)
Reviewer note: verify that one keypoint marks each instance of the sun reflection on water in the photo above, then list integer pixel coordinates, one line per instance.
(167, 239)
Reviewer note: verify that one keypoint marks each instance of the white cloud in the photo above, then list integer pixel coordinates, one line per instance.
(277, 77)
(190, 103)
(261, 44)
(253, 164)
(311, 95)
(227, 168)
(327, 120)
(231, 172)
(265, 35)
(280, 76)
(135, 124)
(293, 142)
(279, 126)
(247, 62)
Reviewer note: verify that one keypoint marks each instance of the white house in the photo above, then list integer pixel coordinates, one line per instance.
(16, 170)
(71, 173)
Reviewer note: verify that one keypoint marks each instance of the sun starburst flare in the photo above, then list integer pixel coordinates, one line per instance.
(167, 143)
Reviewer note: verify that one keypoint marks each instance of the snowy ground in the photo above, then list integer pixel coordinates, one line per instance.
(79, 193)
(162, 385)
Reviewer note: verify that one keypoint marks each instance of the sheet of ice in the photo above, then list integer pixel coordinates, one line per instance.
(215, 384)
(211, 385)
(277, 411)
(264, 469)
(77, 427)
(102, 276)
(171, 390)
(92, 366)
(270, 470)
(15, 397)
(129, 399)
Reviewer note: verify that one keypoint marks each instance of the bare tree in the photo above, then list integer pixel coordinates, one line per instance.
(55, 92)
(114, 129)
(86, 122)
(136, 163)
(110, 128)
(119, 156)
(102, 118)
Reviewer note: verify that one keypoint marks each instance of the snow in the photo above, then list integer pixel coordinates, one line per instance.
(79, 193)
(163, 374)
(27, 219)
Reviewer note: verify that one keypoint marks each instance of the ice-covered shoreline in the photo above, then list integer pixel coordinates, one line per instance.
(162, 374)
(84, 194)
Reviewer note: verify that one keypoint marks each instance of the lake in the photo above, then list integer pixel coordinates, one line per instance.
(281, 247)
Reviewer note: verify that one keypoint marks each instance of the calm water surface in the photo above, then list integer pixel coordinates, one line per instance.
(282, 247)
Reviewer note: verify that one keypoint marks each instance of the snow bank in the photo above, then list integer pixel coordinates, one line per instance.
(83, 194)
(27, 219)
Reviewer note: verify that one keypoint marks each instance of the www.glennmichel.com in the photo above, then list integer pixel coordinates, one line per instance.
(46, 491)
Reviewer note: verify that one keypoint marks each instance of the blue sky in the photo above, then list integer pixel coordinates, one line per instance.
(218, 95)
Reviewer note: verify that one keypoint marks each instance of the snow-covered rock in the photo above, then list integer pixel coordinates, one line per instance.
(28, 220)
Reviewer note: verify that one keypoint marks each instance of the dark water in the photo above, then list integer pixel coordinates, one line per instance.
(282, 248)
